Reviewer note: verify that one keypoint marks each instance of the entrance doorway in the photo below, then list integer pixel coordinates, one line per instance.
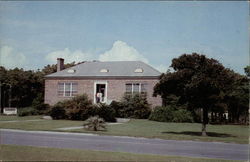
(100, 92)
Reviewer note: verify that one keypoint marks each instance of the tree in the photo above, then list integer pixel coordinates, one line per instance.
(197, 80)
(237, 99)
(19, 87)
(247, 70)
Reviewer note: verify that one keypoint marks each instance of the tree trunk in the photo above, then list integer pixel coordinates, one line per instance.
(204, 121)
(203, 130)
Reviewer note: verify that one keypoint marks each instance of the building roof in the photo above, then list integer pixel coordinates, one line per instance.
(111, 69)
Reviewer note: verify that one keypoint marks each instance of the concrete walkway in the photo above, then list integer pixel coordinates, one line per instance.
(125, 144)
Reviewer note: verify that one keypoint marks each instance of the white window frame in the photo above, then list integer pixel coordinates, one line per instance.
(64, 88)
(106, 90)
(132, 92)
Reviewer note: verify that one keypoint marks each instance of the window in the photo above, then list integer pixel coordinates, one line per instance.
(135, 88)
(104, 70)
(67, 89)
(138, 70)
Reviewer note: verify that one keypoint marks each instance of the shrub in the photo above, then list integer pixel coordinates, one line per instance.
(58, 111)
(27, 111)
(162, 114)
(118, 107)
(94, 123)
(104, 111)
(39, 105)
(182, 115)
(170, 114)
(134, 106)
(78, 108)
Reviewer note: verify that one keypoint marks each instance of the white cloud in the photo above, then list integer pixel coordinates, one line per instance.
(162, 68)
(10, 58)
(121, 51)
(68, 55)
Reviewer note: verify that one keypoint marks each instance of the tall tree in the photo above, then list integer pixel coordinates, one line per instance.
(19, 87)
(247, 70)
(197, 80)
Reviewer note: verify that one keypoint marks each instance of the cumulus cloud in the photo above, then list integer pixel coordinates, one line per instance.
(68, 55)
(10, 58)
(162, 68)
(121, 51)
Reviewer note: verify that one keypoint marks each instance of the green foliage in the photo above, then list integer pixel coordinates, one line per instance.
(81, 108)
(170, 114)
(199, 82)
(132, 106)
(78, 108)
(118, 107)
(57, 111)
(105, 111)
(162, 114)
(95, 123)
(247, 70)
(21, 87)
(27, 111)
(39, 105)
(182, 115)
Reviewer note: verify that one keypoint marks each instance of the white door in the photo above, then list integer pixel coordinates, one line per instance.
(100, 91)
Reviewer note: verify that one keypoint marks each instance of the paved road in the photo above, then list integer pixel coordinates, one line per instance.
(125, 144)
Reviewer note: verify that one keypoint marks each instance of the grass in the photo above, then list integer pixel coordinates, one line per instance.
(146, 128)
(29, 153)
(177, 131)
(14, 117)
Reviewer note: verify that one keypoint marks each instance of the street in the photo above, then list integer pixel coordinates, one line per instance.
(125, 144)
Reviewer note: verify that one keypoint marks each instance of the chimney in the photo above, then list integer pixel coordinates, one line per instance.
(60, 64)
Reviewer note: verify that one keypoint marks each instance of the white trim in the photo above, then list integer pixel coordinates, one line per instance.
(63, 89)
(132, 88)
(71, 88)
(106, 90)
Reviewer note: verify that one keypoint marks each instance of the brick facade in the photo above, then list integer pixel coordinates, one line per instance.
(115, 89)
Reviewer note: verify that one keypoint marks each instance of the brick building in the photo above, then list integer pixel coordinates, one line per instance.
(101, 81)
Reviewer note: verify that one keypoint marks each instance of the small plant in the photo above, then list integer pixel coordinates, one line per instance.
(94, 123)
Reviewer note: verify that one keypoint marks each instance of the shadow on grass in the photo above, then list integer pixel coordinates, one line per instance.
(209, 134)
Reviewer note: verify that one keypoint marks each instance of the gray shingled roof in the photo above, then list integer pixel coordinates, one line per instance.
(115, 69)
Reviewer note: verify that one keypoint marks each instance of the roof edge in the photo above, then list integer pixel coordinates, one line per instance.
(102, 77)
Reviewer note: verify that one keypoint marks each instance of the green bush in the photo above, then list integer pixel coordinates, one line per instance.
(27, 111)
(170, 114)
(134, 106)
(105, 111)
(78, 108)
(118, 107)
(162, 114)
(39, 105)
(57, 111)
(182, 115)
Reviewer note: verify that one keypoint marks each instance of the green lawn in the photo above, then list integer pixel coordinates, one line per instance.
(29, 153)
(14, 117)
(146, 128)
(177, 131)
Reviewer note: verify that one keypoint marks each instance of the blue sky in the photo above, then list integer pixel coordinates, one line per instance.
(34, 34)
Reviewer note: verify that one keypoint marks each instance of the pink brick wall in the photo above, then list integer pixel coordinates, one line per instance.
(115, 89)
